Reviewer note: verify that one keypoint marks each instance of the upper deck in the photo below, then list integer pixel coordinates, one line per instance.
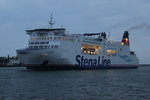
(56, 31)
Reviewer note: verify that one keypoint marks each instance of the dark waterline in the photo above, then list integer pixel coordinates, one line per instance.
(17, 83)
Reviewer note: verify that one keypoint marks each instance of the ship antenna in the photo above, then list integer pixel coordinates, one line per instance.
(51, 22)
(109, 36)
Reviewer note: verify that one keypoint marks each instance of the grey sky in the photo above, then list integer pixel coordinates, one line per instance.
(78, 16)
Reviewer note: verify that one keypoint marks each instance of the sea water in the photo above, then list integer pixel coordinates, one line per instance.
(18, 83)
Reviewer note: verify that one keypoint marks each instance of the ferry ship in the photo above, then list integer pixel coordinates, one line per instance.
(54, 48)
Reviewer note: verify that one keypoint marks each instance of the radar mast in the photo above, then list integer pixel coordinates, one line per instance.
(51, 22)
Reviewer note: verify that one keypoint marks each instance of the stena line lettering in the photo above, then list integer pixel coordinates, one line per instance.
(100, 61)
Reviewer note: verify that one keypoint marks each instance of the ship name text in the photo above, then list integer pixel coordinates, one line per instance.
(89, 62)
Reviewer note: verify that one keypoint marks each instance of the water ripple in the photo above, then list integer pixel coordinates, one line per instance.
(112, 84)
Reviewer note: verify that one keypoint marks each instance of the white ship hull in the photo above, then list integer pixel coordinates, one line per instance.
(68, 55)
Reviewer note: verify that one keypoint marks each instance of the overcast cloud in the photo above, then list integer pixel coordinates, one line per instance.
(78, 16)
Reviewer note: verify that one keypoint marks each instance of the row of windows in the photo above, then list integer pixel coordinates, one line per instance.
(41, 47)
(49, 38)
(112, 52)
(90, 51)
(38, 42)
(53, 38)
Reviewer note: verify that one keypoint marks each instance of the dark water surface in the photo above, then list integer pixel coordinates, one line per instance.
(112, 84)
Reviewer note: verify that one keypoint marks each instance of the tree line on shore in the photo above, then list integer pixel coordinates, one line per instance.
(10, 61)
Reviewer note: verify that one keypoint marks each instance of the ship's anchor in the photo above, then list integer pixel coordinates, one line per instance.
(44, 63)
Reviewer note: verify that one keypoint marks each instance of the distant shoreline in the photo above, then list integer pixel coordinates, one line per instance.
(12, 66)
(144, 64)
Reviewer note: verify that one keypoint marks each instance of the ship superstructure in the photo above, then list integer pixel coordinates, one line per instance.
(54, 48)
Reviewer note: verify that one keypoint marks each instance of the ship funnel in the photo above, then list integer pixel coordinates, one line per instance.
(125, 38)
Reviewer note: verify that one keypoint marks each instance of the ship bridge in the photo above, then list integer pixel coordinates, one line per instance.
(55, 31)
(50, 30)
